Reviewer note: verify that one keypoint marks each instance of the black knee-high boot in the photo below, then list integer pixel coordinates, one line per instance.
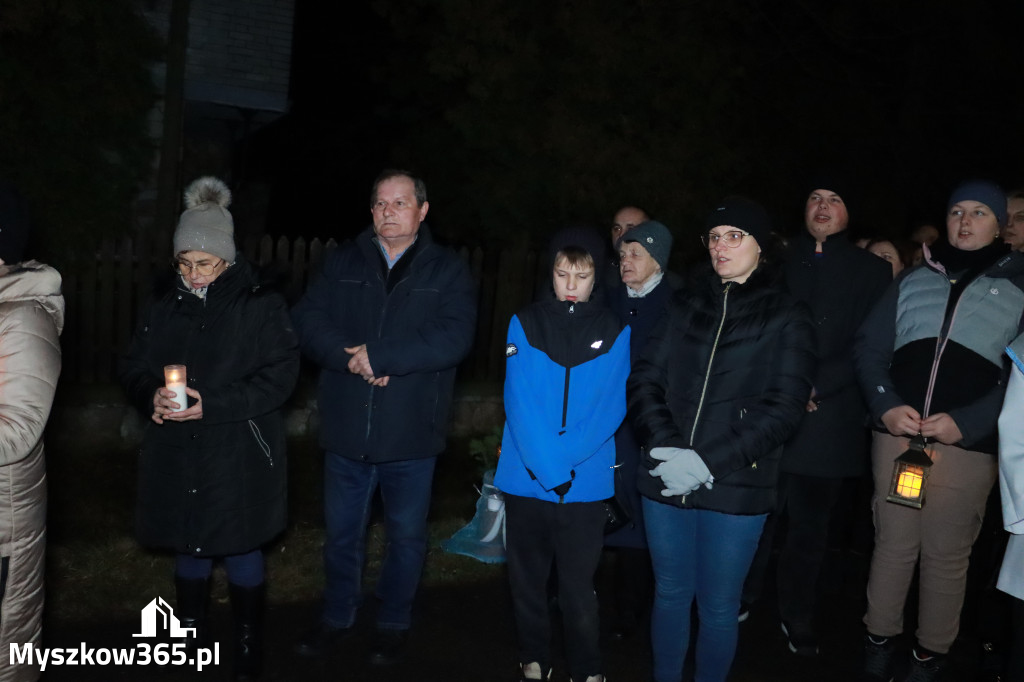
(193, 596)
(247, 603)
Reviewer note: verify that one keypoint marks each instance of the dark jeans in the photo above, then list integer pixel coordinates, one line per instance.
(697, 555)
(244, 570)
(349, 486)
(539, 535)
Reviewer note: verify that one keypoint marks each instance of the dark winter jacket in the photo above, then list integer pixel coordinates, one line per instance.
(727, 374)
(565, 394)
(642, 316)
(938, 346)
(840, 286)
(417, 322)
(215, 486)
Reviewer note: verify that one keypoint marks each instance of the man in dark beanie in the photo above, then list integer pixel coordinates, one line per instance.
(31, 319)
(839, 283)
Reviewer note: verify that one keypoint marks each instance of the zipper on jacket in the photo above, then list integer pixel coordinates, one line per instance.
(261, 442)
(940, 348)
(711, 360)
(565, 389)
(380, 327)
(565, 397)
(565, 401)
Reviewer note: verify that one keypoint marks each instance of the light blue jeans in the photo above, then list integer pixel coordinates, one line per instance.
(704, 555)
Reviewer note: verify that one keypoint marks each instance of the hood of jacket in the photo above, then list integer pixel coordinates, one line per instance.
(33, 281)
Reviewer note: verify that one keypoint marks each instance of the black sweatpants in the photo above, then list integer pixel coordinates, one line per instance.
(539, 535)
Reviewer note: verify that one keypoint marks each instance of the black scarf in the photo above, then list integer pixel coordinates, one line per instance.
(967, 263)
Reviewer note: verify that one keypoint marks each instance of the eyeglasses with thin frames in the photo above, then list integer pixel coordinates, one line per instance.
(204, 268)
(731, 239)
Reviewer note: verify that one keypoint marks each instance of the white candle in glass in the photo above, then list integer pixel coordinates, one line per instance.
(174, 381)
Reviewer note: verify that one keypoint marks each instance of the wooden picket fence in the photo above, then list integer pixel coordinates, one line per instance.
(106, 288)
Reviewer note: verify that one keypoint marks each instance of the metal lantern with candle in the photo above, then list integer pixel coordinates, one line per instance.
(174, 381)
(910, 475)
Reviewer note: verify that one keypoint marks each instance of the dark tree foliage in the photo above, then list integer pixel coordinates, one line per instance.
(529, 114)
(74, 94)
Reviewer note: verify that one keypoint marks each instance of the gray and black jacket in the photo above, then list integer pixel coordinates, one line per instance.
(935, 342)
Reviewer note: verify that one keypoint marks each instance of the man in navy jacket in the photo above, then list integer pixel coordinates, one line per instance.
(388, 320)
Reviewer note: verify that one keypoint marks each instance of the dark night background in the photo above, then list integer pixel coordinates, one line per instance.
(523, 116)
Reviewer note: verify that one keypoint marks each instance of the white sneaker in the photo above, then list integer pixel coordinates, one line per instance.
(533, 671)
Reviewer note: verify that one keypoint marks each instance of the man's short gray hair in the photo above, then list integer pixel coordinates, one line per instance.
(419, 186)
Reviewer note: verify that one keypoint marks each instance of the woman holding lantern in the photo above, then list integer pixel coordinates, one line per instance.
(212, 468)
(930, 361)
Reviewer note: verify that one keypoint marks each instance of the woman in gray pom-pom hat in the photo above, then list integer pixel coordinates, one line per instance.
(212, 469)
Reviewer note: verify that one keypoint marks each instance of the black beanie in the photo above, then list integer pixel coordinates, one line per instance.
(580, 236)
(984, 192)
(836, 182)
(13, 224)
(742, 213)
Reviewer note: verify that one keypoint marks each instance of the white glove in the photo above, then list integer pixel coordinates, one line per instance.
(681, 471)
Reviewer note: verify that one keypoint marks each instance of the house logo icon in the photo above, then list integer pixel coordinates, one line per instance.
(158, 615)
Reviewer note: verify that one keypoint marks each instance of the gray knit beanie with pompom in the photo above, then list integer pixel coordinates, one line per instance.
(206, 225)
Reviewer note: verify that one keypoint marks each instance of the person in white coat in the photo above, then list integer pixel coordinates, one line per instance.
(31, 318)
(1011, 490)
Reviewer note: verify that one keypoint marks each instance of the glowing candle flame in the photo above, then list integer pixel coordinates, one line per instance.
(909, 483)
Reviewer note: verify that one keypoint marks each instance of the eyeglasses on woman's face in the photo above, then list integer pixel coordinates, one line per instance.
(204, 268)
(732, 238)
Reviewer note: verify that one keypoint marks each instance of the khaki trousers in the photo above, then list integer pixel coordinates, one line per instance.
(940, 535)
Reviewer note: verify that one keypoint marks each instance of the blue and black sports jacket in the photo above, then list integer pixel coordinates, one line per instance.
(565, 395)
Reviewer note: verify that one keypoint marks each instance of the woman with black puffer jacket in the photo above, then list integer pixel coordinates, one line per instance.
(722, 384)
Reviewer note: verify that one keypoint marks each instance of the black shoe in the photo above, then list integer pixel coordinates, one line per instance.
(927, 669)
(388, 646)
(247, 603)
(879, 658)
(321, 638)
(992, 664)
(801, 639)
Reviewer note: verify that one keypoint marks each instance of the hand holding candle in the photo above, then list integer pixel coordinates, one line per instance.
(174, 381)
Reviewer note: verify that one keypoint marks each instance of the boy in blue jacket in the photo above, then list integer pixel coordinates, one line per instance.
(567, 360)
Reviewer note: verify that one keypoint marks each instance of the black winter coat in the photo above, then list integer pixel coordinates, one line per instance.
(642, 315)
(417, 322)
(215, 486)
(727, 373)
(840, 286)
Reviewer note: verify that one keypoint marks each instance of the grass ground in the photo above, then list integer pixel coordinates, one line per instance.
(95, 566)
(98, 578)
